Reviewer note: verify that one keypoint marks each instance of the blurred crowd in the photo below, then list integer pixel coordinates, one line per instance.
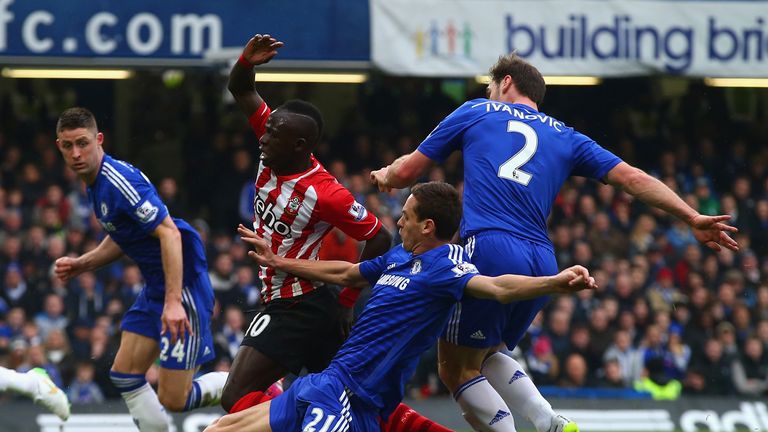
(668, 310)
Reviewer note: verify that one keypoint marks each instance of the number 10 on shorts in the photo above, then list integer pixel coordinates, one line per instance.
(258, 324)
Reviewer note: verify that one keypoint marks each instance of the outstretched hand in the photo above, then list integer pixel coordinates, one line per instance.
(711, 231)
(260, 49)
(379, 178)
(263, 254)
(574, 279)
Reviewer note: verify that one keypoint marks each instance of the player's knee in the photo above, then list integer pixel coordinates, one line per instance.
(453, 375)
(172, 402)
(230, 395)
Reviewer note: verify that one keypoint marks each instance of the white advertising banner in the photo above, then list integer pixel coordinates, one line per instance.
(463, 38)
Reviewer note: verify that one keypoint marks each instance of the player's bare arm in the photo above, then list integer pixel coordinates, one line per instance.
(709, 230)
(403, 172)
(377, 245)
(333, 272)
(174, 318)
(508, 288)
(260, 49)
(107, 251)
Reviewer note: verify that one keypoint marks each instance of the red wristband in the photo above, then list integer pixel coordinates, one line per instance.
(244, 62)
(348, 297)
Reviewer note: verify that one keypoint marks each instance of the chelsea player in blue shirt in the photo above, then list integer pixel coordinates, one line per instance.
(516, 159)
(415, 287)
(171, 317)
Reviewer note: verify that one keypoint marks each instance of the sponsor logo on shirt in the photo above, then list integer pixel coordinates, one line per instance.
(464, 268)
(104, 209)
(146, 212)
(264, 212)
(358, 211)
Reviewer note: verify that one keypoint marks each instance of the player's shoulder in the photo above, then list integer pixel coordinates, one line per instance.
(122, 179)
(449, 258)
(121, 170)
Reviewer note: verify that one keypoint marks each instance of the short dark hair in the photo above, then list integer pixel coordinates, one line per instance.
(74, 118)
(440, 202)
(298, 106)
(528, 80)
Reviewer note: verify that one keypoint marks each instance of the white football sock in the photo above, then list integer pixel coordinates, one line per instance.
(146, 410)
(483, 408)
(206, 390)
(21, 383)
(507, 376)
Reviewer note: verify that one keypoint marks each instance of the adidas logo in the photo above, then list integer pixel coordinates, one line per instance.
(477, 335)
(498, 417)
(518, 374)
(207, 351)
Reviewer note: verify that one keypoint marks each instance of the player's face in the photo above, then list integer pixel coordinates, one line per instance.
(81, 149)
(276, 144)
(410, 227)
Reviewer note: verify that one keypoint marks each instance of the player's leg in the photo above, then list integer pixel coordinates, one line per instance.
(288, 335)
(406, 419)
(178, 390)
(251, 374)
(37, 385)
(507, 375)
(134, 357)
(482, 407)
(254, 419)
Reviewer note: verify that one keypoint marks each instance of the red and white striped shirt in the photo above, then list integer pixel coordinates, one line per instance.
(295, 212)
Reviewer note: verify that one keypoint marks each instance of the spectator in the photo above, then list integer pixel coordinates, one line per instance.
(626, 356)
(83, 389)
(52, 317)
(543, 365)
(750, 370)
(715, 369)
(575, 372)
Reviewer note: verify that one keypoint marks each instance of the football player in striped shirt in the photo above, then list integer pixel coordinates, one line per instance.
(296, 203)
(415, 289)
(171, 317)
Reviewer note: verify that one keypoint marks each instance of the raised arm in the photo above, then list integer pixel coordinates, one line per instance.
(403, 172)
(508, 288)
(333, 272)
(107, 251)
(174, 317)
(259, 50)
(709, 230)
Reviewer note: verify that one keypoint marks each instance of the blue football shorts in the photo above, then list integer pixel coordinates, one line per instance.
(478, 323)
(320, 402)
(144, 318)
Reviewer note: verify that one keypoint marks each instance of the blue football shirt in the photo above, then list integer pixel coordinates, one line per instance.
(516, 159)
(129, 209)
(411, 301)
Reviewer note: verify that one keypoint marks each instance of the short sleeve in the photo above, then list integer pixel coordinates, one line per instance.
(373, 268)
(338, 207)
(148, 210)
(590, 159)
(449, 277)
(446, 137)
(258, 120)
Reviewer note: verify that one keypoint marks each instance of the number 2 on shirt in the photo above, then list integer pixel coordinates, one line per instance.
(511, 168)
